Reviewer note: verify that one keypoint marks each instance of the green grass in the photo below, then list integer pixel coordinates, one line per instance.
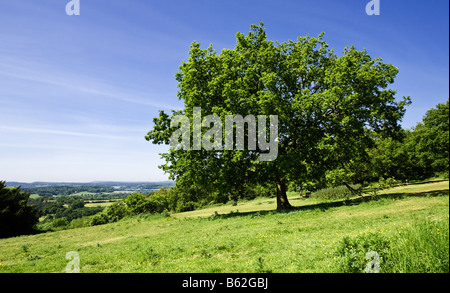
(252, 237)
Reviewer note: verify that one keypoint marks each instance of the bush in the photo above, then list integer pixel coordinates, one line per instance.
(60, 222)
(383, 184)
(421, 248)
(392, 182)
(331, 193)
(80, 222)
(354, 251)
(183, 199)
(116, 211)
(137, 204)
(258, 190)
(159, 201)
(99, 219)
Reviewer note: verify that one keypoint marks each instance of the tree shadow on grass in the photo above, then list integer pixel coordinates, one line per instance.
(427, 181)
(323, 206)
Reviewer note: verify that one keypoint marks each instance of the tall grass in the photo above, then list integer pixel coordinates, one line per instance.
(422, 247)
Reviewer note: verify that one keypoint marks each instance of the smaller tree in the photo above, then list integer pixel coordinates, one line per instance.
(16, 216)
(432, 139)
(418, 153)
(117, 211)
(390, 159)
(137, 203)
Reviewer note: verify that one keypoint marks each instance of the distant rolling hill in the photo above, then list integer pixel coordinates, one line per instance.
(94, 183)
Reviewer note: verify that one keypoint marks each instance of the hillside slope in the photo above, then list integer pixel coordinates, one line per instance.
(250, 237)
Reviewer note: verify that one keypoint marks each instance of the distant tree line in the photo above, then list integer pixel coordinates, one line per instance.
(50, 191)
(413, 154)
(67, 207)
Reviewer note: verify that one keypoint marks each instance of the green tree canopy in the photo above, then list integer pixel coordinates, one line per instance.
(428, 143)
(16, 217)
(325, 106)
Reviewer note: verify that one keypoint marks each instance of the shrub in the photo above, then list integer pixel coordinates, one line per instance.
(60, 222)
(392, 182)
(257, 190)
(159, 201)
(353, 251)
(331, 193)
(80, 222)
(137, 203)
(116, 211)
(421, 248)
(383, 184)
(182, 199)
(99, 219)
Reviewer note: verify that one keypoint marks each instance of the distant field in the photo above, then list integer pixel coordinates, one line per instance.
(99, 203)
(253, 237)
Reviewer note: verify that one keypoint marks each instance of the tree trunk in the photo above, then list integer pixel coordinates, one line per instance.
(282, 200)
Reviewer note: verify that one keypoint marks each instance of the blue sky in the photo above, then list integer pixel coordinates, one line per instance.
(78, 93)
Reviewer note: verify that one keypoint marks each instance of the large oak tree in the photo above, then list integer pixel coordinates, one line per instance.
(326, 107)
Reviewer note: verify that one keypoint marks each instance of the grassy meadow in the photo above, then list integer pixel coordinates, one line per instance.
(407, 226)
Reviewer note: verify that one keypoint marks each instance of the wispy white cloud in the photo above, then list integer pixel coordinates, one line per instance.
(35, 72)
(59, 132)
(75, 149)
